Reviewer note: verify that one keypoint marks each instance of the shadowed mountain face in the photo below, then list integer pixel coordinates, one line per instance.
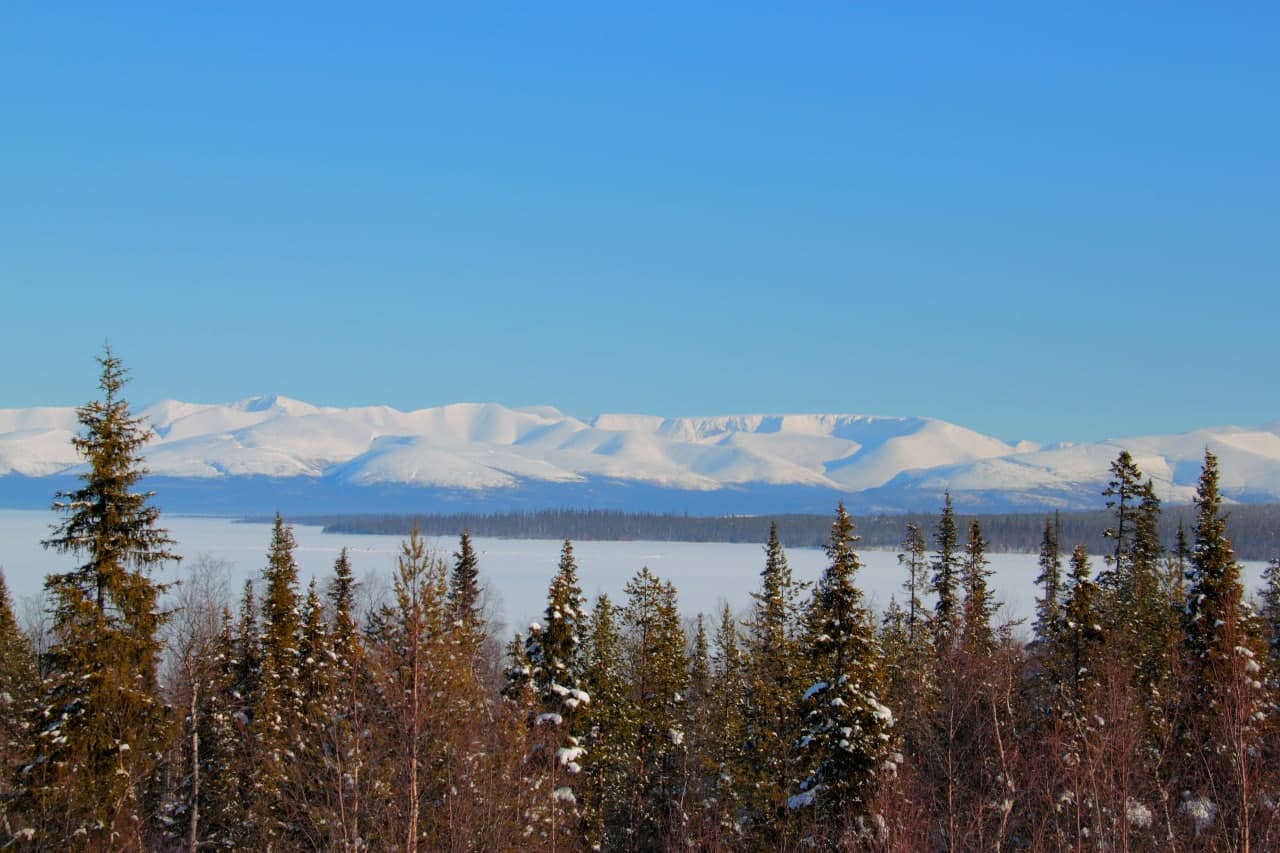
(467, 455)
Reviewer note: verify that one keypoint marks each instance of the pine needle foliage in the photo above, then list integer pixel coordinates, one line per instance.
(979, 606)
(775, 680)
(18, 690)
(102, 723)
(464, 589)
(1049, 580)
(846, 731)
(946, 579)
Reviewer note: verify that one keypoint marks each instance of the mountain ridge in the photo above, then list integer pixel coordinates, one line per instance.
(890, 462)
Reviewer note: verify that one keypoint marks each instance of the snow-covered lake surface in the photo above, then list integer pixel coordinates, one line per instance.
(516, 570)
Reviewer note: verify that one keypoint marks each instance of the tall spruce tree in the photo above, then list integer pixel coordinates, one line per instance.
(908, 644)
(102, 724)
(946, 579)
(1134, 604)
(1050, 582)
(612, 719)
(659, 674)
(1132, 580)
(1225, 700)
(553, 650)
(228, 814)
(1122, 494)
(1214, 591)
(978, 636)
(464, 587)
(467, 693)
(846, 732)
(215, 818)
(1081, 639)
(347, 713)
(726, 723)
(774, 681)
(1149, 624)
(912, 558)
(277, 718)
(549, 667)
(308, 788)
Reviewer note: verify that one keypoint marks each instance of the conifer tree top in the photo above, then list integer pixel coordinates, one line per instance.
(106, 518)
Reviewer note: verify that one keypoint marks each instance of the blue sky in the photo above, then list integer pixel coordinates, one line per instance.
(1045, 223)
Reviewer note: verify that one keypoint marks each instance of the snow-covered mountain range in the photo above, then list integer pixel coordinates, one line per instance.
(487, 450)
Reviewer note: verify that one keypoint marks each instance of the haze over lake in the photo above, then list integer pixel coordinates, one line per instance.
(516, 570)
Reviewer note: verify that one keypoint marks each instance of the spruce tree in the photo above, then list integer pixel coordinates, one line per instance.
(18, 675)
(897, 652)
(1122, 494)
(1082, 635)
(517, 677)
(1050, 582)
(1135, 607)
(659, 676)
(277, 717)
(694, 778)
(466, 692)
(968, 715)
(1088, 722)
(700, 662)
(230, 791)
(726, 724)
(912, 558)
(1225, 700)
(347, 715)
(846, 731)
(216, 819)
(977, 637)
(341, 594)
(775, 676)
(1132, 582)
(1181, 559)
(611, 729)
(18, 690)
(1214, 591)
(314, 654)
(545, 674)
(247, 658)
(464, 587)
(907, 644)
(946, 580)
(101, 723)
(1150, 629)
(1271, 608)
(554, 651)
(308, 787)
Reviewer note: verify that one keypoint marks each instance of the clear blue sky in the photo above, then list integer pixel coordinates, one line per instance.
(1050, 223)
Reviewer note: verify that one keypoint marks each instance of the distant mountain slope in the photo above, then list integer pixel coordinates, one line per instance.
(880, 463)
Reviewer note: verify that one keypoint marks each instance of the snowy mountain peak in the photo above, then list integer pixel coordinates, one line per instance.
(486, 446)
(274, 403)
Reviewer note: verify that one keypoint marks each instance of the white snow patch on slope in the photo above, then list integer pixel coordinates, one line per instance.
(486, 445)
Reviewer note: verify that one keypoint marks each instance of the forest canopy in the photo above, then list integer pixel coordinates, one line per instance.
(144, 715)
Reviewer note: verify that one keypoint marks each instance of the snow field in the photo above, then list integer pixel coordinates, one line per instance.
(517, 572)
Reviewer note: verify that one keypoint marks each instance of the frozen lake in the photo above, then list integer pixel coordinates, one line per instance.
(517, 571)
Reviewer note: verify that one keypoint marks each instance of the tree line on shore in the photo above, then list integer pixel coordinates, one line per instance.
(1255, 528)
(1140, 716)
